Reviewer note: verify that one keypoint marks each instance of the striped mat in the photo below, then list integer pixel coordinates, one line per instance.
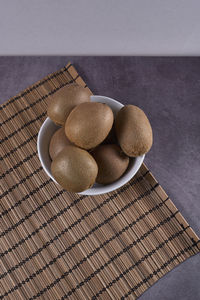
(60, 245)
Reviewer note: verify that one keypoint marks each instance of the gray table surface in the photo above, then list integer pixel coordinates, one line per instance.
(168, 90)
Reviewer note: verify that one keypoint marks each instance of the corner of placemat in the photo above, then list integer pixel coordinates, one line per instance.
(171, 206)
(74, 74)
(69, 68)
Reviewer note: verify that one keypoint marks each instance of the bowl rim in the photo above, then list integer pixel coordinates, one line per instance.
(44, 124)
(101, 189)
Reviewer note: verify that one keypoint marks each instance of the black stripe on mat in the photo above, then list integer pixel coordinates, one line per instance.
(6, 138)
(22, 220)
(115, 257)
(33, 120)
(18, 164)
(31, 193)
(70, 247)
(91, 275)
(177, 220)
(149, 254)
(38, 101)
(86, 280)
(35, 86)
(156, 271)
(14, 187)
(24, 143)
(25, 198)
(62, 212)
(18, 147)
(195, 243)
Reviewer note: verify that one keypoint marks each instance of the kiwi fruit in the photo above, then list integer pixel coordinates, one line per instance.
(58, 142)
(74, 169)
(64, 100)
(133, 130)
(111, 161)
(88, 124)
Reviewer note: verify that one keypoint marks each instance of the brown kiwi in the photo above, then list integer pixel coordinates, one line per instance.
(88, 124)
(111, 161)
(133, 130)
(64, 100)
(58, 142)
(74, 169)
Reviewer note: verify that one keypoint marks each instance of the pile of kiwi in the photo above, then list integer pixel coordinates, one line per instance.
(90, 145)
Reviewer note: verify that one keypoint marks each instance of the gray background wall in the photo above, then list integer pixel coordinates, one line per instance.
(86, 27)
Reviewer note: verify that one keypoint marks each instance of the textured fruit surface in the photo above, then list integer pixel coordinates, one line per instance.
(111, 161)
(133, 130)
(89, 124)
(74, 169)
(58, 142)
(64, 100)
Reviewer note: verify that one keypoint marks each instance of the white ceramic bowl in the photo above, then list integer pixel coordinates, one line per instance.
(48, 128)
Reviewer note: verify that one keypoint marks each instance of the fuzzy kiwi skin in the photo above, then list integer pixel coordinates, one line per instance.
(58, 142)
(64, 100)
(88, 124)
(133, 130)
(111, 161)
(74, 169)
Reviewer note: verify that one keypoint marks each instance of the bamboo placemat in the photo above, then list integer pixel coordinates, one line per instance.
(59, 245)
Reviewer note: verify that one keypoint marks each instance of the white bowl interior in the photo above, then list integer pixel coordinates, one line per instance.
(47, 130)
